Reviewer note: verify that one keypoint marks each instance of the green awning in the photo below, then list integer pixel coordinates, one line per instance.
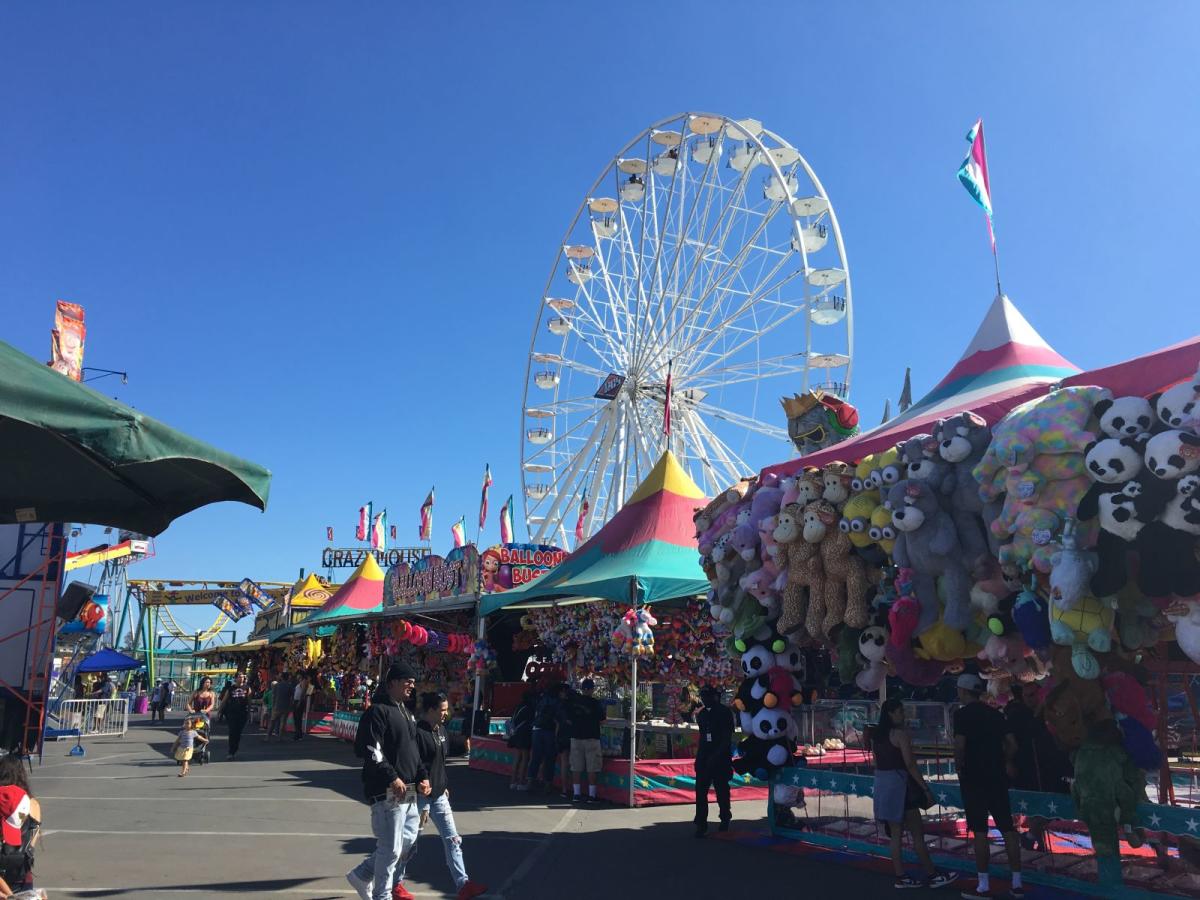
(71, 454)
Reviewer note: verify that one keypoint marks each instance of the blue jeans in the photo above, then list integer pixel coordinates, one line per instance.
(545, 750)
(395, 827)
(443, 819)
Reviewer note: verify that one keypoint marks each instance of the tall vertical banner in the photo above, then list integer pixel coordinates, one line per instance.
(483, 500)
(584, 508)
(973, 173)
(363, 531)
(379, 532)
(425, 531)
(506, 529)
(67, 339)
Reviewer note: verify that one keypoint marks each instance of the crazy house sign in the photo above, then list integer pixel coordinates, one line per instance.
(506, 566)
(432, 578)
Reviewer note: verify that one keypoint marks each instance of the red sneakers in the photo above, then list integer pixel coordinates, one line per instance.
(400, 892)
(471, 889)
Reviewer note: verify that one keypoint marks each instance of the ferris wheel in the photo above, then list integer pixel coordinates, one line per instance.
(708, 247)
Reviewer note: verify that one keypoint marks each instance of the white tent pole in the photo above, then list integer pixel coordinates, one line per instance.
(633, 599)
(480, 634)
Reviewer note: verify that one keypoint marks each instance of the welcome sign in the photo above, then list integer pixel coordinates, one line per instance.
(506, 566)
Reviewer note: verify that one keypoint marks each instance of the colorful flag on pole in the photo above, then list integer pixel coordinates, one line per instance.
(393, 527)
(583, 511)
(379, 532)
(363, 531)
(426, 530)
(506, 529)
(973, 173)
(666, 408)
(483, 500)
(329, 534)
(459, 531)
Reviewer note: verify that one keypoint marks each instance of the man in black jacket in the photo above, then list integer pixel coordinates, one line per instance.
(392, 775)
(714, 765)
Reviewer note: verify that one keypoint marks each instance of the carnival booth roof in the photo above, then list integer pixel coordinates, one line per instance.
(1006, 363)
(70, 454)
(651, 539)
(108, 660)
(362, 593)
(311, 592)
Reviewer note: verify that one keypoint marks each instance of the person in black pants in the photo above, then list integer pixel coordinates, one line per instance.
(714, 758)
(235, 706)
(299, 704)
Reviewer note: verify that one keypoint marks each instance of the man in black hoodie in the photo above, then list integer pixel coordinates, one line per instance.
(392, 775)
(714, 765)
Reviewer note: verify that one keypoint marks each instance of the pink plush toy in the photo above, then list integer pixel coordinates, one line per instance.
(1129, 698)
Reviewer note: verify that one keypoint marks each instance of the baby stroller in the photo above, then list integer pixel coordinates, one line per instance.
(202, 755)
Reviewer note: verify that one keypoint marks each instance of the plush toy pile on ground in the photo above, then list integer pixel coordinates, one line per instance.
(1047, 547)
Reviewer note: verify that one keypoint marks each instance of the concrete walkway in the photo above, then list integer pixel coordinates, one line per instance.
(287, 819)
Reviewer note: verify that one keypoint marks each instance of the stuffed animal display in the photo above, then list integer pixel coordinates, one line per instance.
(1045, 546)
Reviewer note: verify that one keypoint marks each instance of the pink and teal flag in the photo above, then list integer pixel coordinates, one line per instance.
(363, 531)
(379, 532)
(483, 500)
(506, 529)
(973, 173)
(425, 532)
(459, 532)
(584, 508)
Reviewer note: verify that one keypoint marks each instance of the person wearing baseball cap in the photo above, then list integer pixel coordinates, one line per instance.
(393, 772)
(984, 747)
(20, 818)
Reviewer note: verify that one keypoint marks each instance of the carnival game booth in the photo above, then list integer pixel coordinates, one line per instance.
(1024, 521)
(601, 592)
(421, 613)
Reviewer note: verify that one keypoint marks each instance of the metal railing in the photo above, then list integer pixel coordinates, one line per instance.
(91, 718)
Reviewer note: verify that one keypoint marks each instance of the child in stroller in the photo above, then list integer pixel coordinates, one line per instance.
(192, 735)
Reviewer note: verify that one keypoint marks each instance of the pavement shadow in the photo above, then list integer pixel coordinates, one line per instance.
(213, 888)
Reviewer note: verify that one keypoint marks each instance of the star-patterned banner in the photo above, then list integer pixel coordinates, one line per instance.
(1171, 819)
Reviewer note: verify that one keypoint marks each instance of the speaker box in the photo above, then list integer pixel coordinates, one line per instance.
(72, 600)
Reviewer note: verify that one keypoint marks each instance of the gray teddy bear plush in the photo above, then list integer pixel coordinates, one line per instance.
(922, 462)
(962, 441)
(927, 542)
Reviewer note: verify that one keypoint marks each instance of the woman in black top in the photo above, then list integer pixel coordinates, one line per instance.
(900, 794)
(431, 736)
(235, 707)
(520, 739)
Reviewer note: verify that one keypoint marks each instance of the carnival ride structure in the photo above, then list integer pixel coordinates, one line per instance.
(703, 273)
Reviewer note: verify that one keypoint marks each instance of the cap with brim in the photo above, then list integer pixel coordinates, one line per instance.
(969, 682)
(14, 808)
(401, 671)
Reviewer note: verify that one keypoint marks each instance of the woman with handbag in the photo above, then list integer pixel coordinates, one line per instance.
(900, 795)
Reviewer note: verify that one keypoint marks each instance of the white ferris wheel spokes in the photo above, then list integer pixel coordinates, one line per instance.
(709, 246)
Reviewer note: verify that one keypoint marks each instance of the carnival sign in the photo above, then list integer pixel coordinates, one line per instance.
(352, 557)
(251, 590)
(432, 577)
(506, 566)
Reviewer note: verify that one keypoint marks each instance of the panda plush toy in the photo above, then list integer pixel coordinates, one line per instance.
(768, 745)
(1178, 407)
(1167, 545)
(1115, 466)
(1124, 417)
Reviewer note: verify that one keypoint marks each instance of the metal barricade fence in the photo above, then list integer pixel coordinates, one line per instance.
(93, 718)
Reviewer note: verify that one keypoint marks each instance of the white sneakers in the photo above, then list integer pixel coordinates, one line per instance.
(364, 888)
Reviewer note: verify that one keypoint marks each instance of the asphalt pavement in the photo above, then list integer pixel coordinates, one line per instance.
(288, 819)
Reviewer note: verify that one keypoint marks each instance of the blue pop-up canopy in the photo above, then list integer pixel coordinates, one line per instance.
(108, 661)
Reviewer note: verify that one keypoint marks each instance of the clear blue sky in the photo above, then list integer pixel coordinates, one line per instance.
(316, 234)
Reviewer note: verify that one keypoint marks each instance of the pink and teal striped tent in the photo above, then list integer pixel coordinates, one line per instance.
(1006, 363)
(651, 541)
